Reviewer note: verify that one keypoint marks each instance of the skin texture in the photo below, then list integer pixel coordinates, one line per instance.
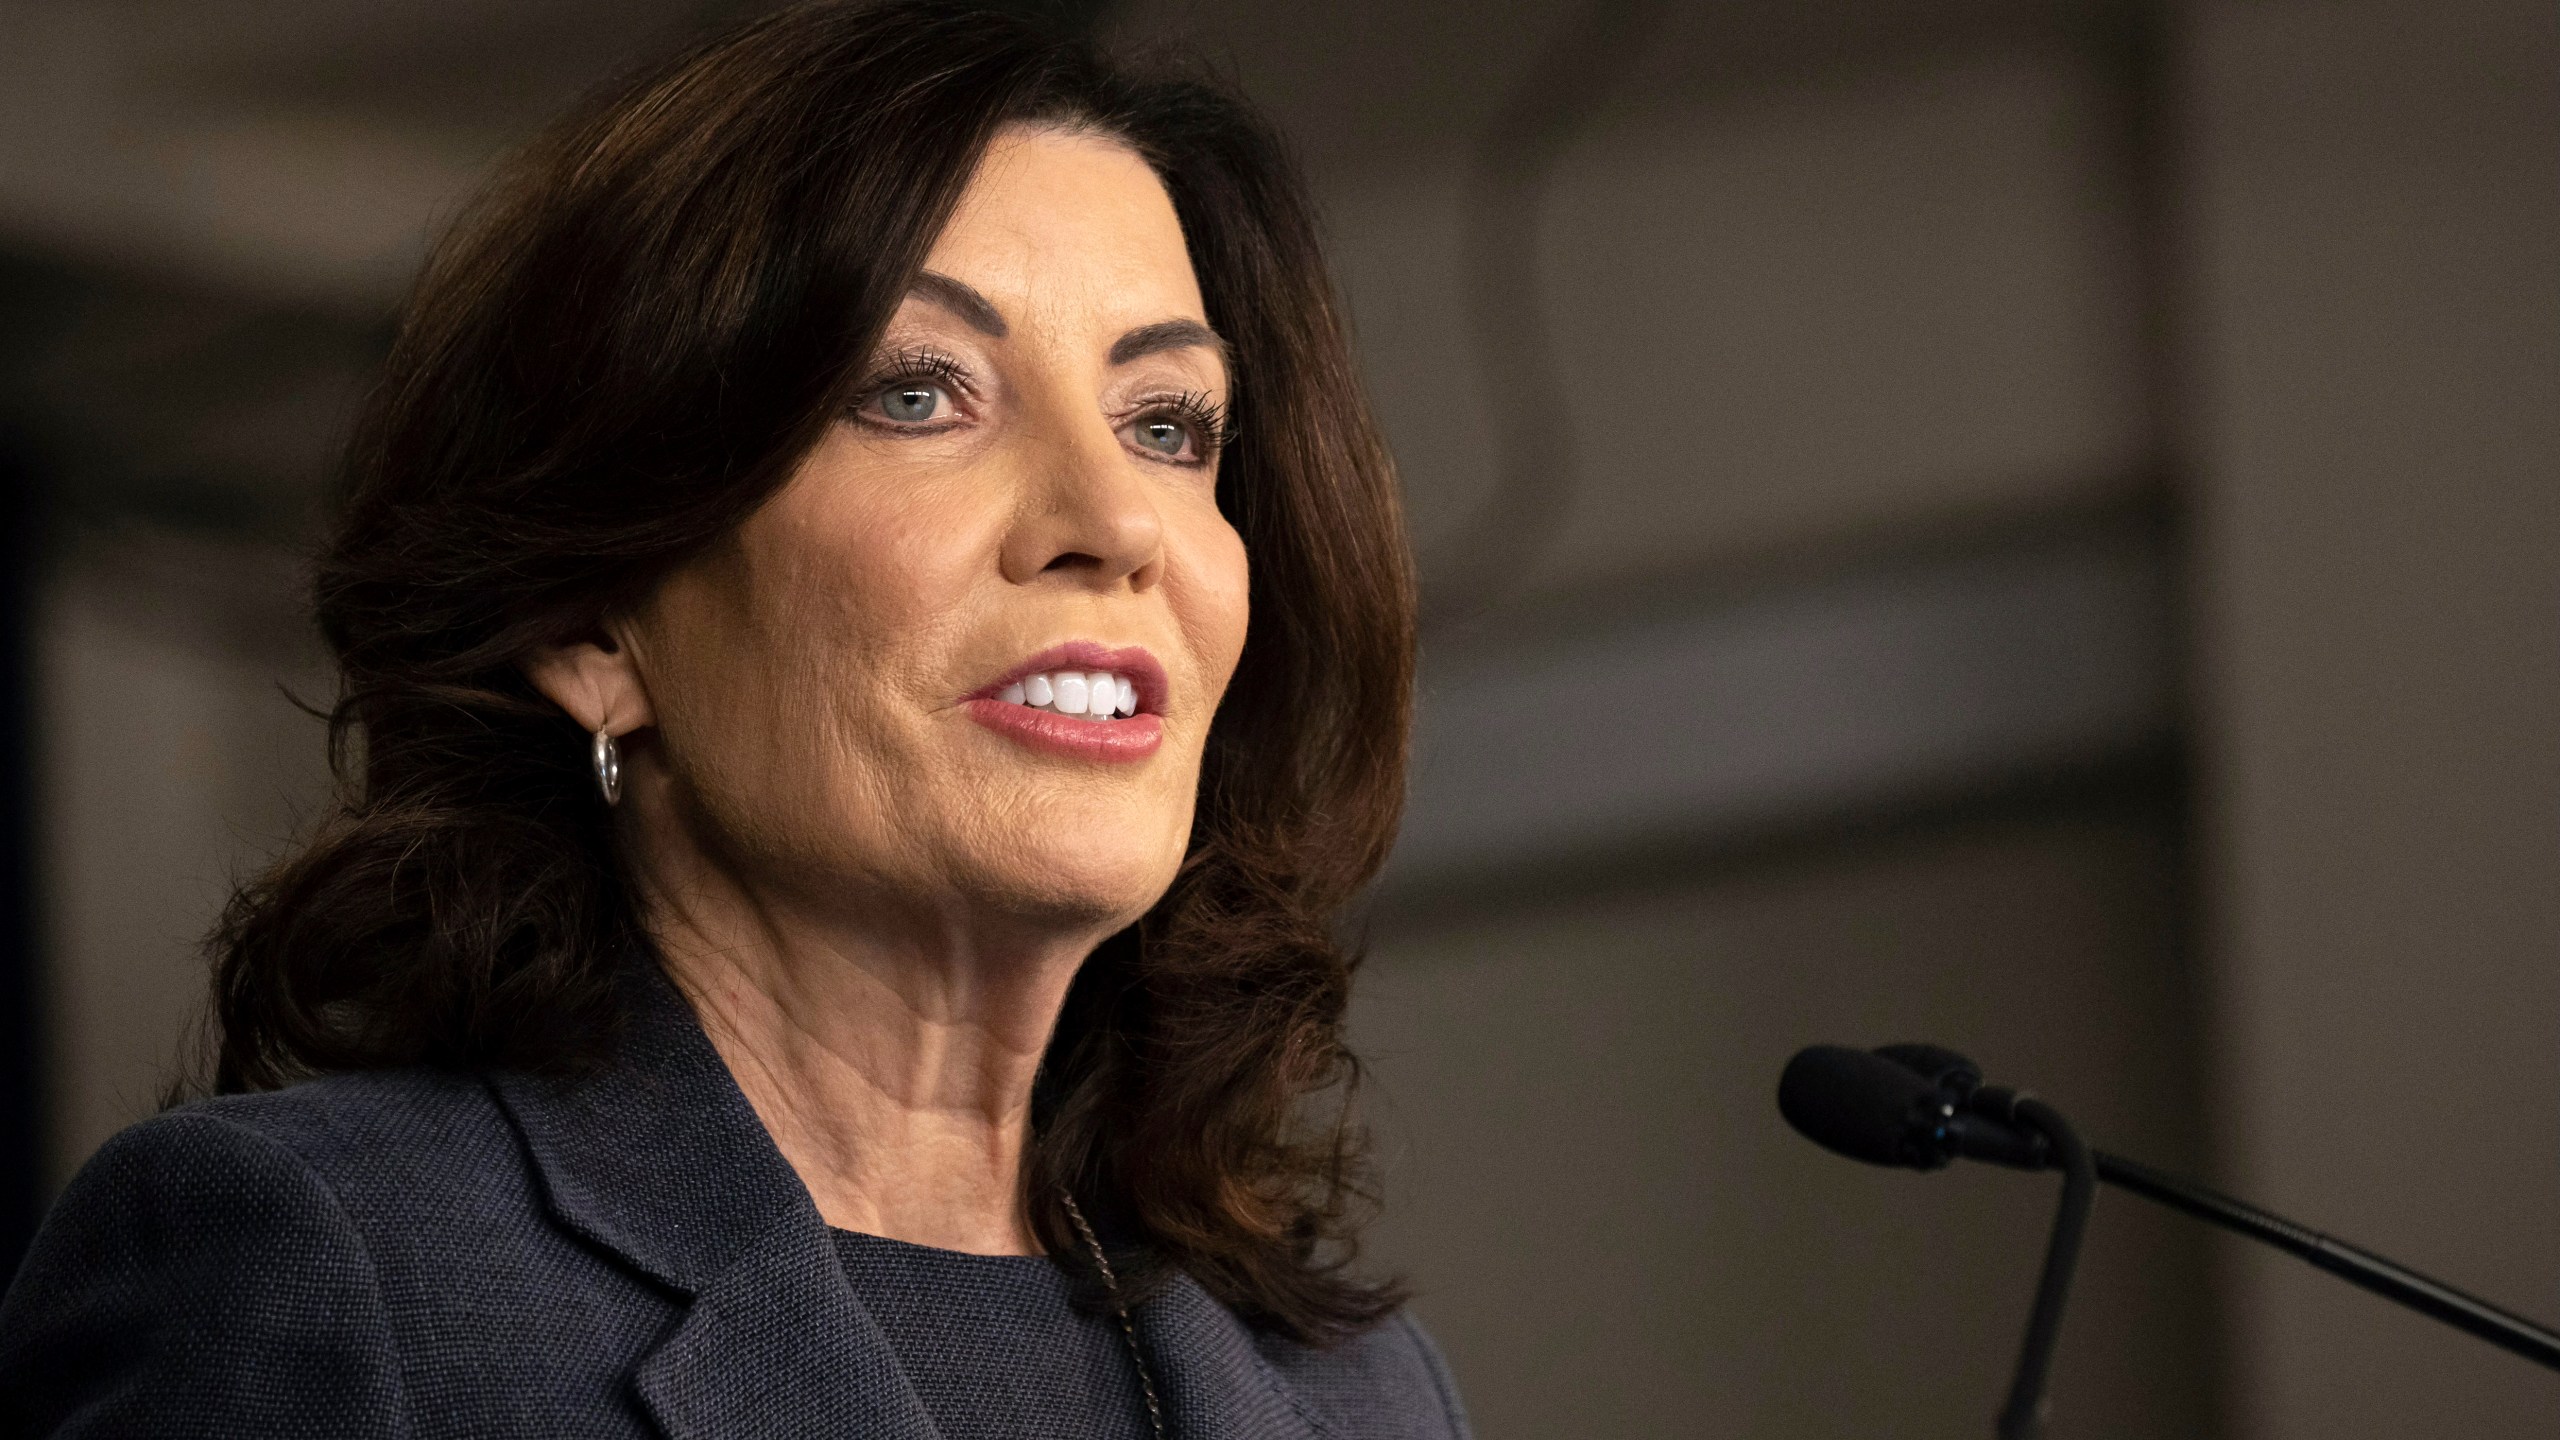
(874, 902)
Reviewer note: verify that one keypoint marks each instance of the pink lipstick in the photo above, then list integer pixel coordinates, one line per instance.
(1079, 701)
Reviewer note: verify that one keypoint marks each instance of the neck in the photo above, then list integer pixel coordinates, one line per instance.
(893, 1067)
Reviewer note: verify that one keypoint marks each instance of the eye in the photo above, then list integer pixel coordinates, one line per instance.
(1163, 435)
(912, 402)
(1185, 429)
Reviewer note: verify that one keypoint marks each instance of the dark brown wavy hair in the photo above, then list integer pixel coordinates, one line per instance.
(609, 363)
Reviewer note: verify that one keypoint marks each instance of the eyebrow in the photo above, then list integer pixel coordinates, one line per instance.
(960, 300)
(981, 315)
(1166, 335)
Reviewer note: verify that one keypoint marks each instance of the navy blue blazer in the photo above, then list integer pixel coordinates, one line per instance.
(422, 1254)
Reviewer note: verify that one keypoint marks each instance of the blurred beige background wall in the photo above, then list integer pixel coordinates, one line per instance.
(2050, 542)
(2377, 260)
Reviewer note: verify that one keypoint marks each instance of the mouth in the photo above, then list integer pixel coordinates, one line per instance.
(1080, 700)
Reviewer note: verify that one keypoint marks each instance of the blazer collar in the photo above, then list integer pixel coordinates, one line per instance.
(1215, 1383)
(658, 1158)
(656, 1155)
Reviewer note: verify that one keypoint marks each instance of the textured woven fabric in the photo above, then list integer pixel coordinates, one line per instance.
(429, 1255)
(995, 1345)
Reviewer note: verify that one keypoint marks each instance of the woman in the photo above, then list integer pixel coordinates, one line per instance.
(830, 932)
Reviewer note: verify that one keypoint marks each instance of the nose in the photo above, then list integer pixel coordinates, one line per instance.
(1088, 516)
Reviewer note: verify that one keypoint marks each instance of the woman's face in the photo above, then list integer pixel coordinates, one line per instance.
(966, 658)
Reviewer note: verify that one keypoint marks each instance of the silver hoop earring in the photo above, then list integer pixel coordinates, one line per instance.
(608, 763)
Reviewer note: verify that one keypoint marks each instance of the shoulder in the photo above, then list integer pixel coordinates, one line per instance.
(386, 1149)
(200, 1268)
(290, 1233)
(346, 1120)
(349, 1147)
(1388, 1380)
(420, 1171)
(399, 1125)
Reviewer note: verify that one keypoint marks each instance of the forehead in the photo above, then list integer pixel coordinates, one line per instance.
(1062, 227)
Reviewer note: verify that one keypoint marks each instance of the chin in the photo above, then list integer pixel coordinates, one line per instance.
(1083, 887)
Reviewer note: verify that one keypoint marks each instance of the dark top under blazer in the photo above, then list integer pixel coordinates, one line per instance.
(421, 1254)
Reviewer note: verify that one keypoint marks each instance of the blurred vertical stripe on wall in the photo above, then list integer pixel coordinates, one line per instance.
(20, 1038)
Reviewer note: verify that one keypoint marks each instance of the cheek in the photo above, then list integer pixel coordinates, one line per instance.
(793, 654)
(1216, 602)
(861, 567)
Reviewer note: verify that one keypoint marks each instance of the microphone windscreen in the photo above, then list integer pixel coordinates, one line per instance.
(1936, 1064)
(1861, 1105)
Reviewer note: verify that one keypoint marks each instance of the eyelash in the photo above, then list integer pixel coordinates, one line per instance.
(1212, 424)
(1212, 427)
(908, 367)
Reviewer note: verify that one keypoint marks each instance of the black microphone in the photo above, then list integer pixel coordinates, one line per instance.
(1914, 1106)
(1920, 1106)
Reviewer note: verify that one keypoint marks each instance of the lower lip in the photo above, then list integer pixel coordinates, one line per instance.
(1116, 741)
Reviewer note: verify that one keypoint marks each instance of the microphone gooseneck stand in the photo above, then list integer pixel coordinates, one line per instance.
(2353, 1264)
(1921, 1106)
(2022, 1418)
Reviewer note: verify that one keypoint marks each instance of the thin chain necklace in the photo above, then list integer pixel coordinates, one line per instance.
(1119, 1307)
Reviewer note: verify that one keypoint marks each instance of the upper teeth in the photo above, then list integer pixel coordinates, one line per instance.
(1093, 694)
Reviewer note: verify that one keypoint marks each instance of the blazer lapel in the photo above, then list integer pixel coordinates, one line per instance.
(659, 1159)
(778, 1345)
(1216, 1384)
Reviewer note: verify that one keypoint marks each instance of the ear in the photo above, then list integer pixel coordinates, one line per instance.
(596, 680)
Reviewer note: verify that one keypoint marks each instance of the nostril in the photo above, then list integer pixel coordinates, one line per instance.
(1073, 560)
